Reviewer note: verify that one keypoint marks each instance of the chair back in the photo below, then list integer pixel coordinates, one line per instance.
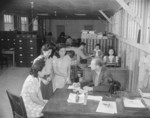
(17, 105)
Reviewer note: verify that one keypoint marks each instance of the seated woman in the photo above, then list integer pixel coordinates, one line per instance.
(97, 52)
(46, 53)
(31, 92)
(61, 66)
(111, 60)
(69, 41)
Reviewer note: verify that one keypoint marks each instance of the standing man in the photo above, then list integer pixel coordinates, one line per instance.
(79, 51)
(100, 77)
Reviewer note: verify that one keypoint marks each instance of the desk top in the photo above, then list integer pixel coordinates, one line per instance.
(58, 105)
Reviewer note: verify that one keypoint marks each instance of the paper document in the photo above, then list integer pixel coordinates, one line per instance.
(133, 103)
(97, 98)
(107, 107)
(72, 98)
(72, 87)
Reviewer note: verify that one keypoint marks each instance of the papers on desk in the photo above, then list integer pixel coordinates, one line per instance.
(96, 98)
(73, 87)
(133, 103)
(107, 107)
(72, 98)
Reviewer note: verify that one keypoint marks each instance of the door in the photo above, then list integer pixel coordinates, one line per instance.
(60, 28)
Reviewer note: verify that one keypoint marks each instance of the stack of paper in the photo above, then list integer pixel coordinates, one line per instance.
(107, 107)
(72, 98)
(133, 103)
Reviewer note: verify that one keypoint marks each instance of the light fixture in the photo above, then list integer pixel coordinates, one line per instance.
(80, 14)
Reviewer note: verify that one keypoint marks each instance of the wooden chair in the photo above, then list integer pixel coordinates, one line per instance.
(17, 105)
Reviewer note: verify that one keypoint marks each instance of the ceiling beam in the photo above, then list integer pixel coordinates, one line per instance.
(105, 16)
(129, 11)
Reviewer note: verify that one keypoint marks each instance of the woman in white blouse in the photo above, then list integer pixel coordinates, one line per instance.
(111, 58)
(61, 66)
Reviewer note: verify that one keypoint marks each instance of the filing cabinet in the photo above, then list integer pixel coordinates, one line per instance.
(27, 49)
(7, 39)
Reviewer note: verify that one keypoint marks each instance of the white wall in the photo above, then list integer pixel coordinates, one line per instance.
(73, 27)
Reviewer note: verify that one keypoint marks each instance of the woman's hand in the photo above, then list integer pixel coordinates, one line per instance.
(68, 81)
(49, 78)
(46, 82)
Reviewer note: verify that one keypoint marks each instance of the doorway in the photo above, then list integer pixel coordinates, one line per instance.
(60, 28)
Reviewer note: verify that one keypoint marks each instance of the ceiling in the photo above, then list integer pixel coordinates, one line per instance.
(61, 9)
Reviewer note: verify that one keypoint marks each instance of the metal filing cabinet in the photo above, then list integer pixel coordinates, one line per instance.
(26, 49)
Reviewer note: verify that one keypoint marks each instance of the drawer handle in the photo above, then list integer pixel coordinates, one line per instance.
(20, 47)
(20, 40)
(31, 41)
(31, 48)
(20, 54)
(8, 39)
(2, 39)
(21, 61)
(31, 55)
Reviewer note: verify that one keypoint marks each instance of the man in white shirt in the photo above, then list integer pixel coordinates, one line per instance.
(79, 51)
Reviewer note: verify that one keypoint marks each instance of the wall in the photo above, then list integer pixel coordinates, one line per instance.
(134, 39)
(73, 27)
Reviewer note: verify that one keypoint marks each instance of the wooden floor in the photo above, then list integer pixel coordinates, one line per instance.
(11, 78)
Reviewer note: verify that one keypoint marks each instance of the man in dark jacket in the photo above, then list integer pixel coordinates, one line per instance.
(100, 77)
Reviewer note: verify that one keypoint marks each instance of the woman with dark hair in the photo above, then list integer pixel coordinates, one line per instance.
(31, 92)
(61, 66)
(111, 59)
(50, 39)
(46, 53)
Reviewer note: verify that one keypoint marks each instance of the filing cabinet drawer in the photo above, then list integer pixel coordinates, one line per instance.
(31, 42)
(31, 56)
(21, 63)
(20, 56)
(20, 49)
(32, 49)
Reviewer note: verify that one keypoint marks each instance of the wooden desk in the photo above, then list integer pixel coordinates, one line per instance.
(58, 107)
(119, 74)
(10, 52)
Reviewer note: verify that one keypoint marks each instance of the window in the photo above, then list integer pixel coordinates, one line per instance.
(24, 24)
(8, 22)
(35, 25)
